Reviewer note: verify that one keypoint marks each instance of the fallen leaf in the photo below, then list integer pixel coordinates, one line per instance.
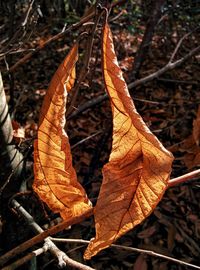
(171, 237)
(55, 178)
(192, 160)
(18, 132)
(137, 174)
(161, 266)
(191, 145)
(196, 128)
(148, 232)
(140, 263)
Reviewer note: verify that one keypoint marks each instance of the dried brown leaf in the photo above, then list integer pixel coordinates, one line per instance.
(18, 132)
(141, 263)
(55, 178)
(196, 128)
(191, 145)
(137, 174)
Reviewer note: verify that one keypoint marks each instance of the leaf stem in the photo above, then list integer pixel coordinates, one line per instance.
(183, 178)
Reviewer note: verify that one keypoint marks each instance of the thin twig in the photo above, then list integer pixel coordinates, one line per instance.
(24, 259)
(179, 44)
(95, 101)
(18, 33)
(58, 228)
(56, 251)
(169, 66)
(144, 251)
(177, 81)
(85, 68)
(63, 259)
(122, 12)
(183, 178)
(56, 37)
(39, 238)
(89, 104)
(164, 69)
(177, 47)
(155, 254)
(85, 139)
(28, 12)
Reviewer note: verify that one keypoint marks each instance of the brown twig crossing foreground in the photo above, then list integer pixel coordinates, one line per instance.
(62, 258)
(39, 238)
(184, 178)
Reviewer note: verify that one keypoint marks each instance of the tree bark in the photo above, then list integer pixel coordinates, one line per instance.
(10, 157)
(148, 35)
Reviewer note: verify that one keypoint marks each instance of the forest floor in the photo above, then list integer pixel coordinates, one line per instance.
(168, 105)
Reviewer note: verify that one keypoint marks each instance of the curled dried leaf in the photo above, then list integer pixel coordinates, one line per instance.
(55, 178)
(137, 174)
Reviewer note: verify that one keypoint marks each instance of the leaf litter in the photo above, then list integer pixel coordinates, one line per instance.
(179, 103)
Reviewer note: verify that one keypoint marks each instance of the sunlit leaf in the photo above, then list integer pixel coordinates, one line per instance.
(55, 178)
(137, 174)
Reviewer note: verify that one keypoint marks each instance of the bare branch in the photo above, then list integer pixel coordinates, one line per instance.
(166, 68)
(28, 13)
(56, 37)
(39, 238)
(86, 139)
(24, 259)
(132, 249)
(89, 104)
(183, 178)
(62, 258)
(85, 68)
(63, 225)
(95, 101)
(18, 33)
(83, 20)
(179, 44)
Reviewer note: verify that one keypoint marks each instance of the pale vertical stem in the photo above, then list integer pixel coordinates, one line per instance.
(10, 157)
